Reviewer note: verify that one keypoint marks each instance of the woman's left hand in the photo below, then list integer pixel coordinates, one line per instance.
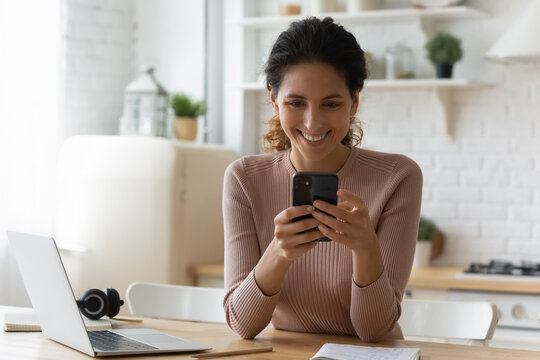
(350, 226)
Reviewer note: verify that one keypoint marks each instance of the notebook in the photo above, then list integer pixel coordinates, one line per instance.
(59, 317)
(331, 351)
(26, 320)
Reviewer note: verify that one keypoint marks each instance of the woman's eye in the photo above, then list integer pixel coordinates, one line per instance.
(295, 104)
(332, 105)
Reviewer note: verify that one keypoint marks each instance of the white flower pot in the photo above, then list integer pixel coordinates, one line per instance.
(422, 254)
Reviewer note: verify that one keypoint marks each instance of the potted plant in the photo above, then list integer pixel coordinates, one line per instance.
(426, 234)
(444, 50)
(186, 111)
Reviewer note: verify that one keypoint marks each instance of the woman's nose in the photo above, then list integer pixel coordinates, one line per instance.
(312, 118)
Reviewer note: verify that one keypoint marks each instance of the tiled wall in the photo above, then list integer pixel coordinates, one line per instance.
(99, 61)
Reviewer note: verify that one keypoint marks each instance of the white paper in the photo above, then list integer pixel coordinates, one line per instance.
(355, 352)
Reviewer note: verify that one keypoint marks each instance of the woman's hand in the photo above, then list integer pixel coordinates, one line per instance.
(289, 243)
(290, 240)
(352, 227)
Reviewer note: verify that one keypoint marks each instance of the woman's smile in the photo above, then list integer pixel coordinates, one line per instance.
(314, 139)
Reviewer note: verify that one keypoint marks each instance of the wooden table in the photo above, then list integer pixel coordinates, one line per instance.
(287, 345)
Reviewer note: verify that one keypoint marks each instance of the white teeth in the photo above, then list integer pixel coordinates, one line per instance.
(313, 138)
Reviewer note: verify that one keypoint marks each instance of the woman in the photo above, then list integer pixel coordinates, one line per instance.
(274, 271)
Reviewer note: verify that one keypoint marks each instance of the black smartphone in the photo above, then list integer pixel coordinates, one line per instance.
(310, 186)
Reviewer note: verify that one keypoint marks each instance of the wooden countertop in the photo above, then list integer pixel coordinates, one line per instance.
(431, 278)
(444, 278)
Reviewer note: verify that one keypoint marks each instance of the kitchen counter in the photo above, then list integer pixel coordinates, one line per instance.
(429, 278)
(444, 278)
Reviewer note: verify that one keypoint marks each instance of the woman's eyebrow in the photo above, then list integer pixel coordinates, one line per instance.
(332, 96)
(296, 96)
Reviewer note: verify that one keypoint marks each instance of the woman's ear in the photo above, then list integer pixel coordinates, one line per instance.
(354, 106)
(274, 101)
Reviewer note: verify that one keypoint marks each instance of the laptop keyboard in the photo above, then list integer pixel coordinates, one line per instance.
(105, 340)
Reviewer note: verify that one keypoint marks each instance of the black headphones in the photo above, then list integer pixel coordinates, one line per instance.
(95, 303)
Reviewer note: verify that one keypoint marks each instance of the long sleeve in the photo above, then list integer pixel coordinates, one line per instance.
(376, 308)
(248, 311)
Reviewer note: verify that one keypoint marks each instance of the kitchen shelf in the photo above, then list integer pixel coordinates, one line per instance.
(443, 91)
(385, 84)
(442, 87)
(374, 16)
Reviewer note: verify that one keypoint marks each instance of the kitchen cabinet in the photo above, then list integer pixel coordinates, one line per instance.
(250, 33)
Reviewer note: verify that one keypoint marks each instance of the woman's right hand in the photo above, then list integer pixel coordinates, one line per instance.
(290, 240)
(287, 246)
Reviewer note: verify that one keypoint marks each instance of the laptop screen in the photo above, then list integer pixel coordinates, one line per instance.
(49, 290)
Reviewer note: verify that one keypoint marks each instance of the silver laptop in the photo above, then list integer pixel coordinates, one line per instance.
(59, 317)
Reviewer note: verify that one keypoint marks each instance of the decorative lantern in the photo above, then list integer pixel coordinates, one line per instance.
(146, 107)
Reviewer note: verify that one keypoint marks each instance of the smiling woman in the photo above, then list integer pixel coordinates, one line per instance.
(274, 269)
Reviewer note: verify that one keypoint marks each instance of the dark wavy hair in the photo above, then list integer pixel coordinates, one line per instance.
(314, 40)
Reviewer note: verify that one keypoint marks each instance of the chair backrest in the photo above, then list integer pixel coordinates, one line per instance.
(178, 302)
(465, 320)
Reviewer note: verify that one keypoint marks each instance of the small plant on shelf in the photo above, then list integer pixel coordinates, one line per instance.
(444, 50)
(186, 111)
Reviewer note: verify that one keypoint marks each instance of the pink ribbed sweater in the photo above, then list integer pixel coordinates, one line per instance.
(318, 294)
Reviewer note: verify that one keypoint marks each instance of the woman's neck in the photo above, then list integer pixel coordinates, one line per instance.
(332, 163)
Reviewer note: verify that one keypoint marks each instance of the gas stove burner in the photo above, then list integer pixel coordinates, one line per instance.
(502, 267)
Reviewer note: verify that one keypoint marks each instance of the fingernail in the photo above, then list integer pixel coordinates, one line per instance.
(310, 208)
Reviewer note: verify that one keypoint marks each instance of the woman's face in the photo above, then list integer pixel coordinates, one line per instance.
(314, 106)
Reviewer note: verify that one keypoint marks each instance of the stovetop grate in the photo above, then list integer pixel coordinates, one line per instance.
(502, 267)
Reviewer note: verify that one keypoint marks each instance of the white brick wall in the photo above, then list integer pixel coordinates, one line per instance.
(99, 60)
(482, 189)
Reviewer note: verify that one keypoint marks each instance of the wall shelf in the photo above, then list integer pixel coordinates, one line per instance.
(385, 84)
(446, 13)
(442, 87)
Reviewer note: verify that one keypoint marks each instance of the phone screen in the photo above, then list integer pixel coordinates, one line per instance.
(310, 186)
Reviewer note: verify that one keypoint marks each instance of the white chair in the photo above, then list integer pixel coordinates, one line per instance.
(192, 303)
(472, 322)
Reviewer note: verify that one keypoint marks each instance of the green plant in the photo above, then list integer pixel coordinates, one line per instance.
(444, 48)
(184, 106)
(426, 230)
